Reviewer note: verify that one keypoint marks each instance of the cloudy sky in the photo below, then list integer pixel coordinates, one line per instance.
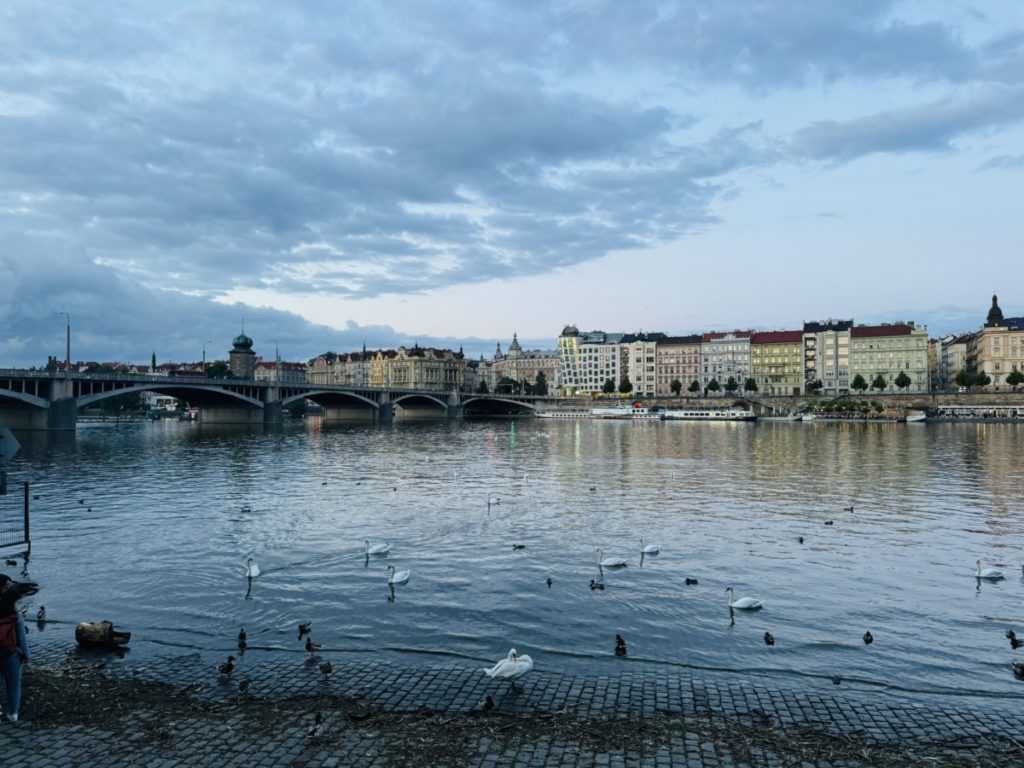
(335, 174)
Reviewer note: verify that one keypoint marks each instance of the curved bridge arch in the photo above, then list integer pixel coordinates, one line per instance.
(503, 400)
(169, 388)
(314, 393)
(37, 402)
(430, 398)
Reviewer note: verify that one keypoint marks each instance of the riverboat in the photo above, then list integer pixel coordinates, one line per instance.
(634, 411)
(697, 413)
(565, 413)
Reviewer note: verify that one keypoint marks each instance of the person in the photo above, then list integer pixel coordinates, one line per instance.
(11, 662)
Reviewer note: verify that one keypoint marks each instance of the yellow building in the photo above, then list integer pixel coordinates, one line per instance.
(998, 348)
(777, 362)
(887, 350)
(440, 370)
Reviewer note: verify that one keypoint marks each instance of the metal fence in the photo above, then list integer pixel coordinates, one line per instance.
(14, 530)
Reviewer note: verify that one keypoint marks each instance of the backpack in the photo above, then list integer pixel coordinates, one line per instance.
(8, 634)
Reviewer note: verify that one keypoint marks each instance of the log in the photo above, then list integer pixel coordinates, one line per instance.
(100, 634)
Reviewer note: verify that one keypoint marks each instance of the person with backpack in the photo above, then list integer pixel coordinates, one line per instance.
(13, 645)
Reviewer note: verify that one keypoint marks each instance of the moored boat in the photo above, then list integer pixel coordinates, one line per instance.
(698, 413)
(634, 411)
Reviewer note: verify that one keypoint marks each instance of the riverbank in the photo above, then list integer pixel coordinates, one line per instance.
(91, 709)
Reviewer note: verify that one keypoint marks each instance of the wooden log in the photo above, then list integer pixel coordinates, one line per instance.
(100, 634)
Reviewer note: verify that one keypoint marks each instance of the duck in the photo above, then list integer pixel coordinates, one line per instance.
(243, 687)
(397, 577)
(1018, 670)
(493, 501)
(620, 646)
(511, 667)
(518, 546)
(549, 581)
(312, 647)
(251, 569)
(227, 667)
(41, 614)
(769, 638)
(596, 584)
(848, 509)
(610, 562)
(377, 549)
(242, 642)
(246, 509)
(828, 522)
(989, 574)
(690, 582)
(1015, 643)
(327, 668)
(487, 704)
(868, 638)
(305, 628)
(650, 549)
(837, 679)
(800, 539)
(317, 728)
(743, 603)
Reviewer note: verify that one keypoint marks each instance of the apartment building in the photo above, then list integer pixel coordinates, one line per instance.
(588, 360)
(777, 362)
(724, 355)
(677, 358)
(997, 349)
(639, 361)
(887, 350)
(827, 357)
(522, 366)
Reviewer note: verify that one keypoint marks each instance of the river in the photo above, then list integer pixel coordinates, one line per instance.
(149, 525)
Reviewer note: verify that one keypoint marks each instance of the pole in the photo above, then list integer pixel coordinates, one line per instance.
(67, 348)
(204, 355)
(28, 538)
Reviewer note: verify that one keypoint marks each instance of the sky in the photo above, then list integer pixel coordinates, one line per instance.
(328, 175)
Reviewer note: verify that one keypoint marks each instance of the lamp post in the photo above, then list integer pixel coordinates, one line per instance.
(204, 355)
(277, 362)
(67, 348)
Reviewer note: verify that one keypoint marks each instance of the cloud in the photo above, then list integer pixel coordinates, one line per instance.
(930, 127)
(1002, 163)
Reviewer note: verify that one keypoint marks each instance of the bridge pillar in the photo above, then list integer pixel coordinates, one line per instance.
(455, 411)
(385, 413)
(252, 416)
(62, 414)
(24, 418)
(273, 413)
(333, 413)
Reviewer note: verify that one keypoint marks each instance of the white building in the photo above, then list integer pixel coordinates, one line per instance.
(588, 360)
(724, 356)
(827, 357)
(640, 353)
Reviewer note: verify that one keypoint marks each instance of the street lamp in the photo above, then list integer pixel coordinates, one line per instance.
(67, 349)
(204, 355)
(277, 362)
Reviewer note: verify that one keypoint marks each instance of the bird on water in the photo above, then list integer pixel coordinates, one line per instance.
(620, 646)
(242, 642)
(305, 628)
(868, 638)
(769, 639)
(227, 667)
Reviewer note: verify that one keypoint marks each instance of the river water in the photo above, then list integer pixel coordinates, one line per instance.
(150, 524)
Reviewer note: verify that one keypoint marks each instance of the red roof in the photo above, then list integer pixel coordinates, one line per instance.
(776, 337)
(893, 329)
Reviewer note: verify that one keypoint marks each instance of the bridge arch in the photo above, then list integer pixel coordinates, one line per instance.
(208, 394)
(36, 402)
(317, 395)
(413, 399)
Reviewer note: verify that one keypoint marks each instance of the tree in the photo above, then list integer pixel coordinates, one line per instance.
(218, 369)
(859, 383)
(694, 386)
(676, 386)
(964, 378)
(879, 383)
(714, 386)
(982, 379)
(625, 385)
(1015, 379)
(731, 385)
(481, 388)
(814, 386)
(902, 380)
(750, 385)
(608, 387)
(506, 386)
(540, 386)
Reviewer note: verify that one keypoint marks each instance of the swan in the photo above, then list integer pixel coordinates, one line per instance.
(511, 667)
(377, 549)
(650, 549)
(251, 569)
(744, 603)
(610, 562)
(397, 577)
(992, 574)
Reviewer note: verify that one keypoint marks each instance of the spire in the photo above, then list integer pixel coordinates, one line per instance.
(515, 344)
(995, 314)
(497, 352)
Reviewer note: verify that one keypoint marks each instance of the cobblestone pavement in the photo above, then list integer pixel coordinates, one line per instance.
(947, 730)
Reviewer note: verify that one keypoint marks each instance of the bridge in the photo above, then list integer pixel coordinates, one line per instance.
(51, 400)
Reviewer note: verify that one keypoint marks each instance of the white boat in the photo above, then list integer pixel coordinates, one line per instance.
(627, 412)
(913, 416)
(565, 413)
(697, 413)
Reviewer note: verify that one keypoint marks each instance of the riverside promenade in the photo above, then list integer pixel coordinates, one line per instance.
(92, 709)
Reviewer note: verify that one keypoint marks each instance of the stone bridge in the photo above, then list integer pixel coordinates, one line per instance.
(50, 400)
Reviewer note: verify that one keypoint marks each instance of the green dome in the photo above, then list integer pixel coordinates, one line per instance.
(242, 342)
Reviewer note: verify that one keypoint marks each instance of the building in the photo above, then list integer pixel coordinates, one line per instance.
(724, 356)
(827, 357)
(523, 366)
(280, 371)
(997, 349)
(439, 370)
(639, 362)
(241, 358)
(952, 360)
(888, 350)
(677, 358)
(777, 362)
(588, 360)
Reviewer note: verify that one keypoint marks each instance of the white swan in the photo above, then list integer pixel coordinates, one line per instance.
(992, 574)
(251, 569)
(610, 562)
(744, 603)
(511, 667)
(650, 549)
(377, 549)
(397, 577)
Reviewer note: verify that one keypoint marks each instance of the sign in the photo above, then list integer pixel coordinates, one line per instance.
(9, 446)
